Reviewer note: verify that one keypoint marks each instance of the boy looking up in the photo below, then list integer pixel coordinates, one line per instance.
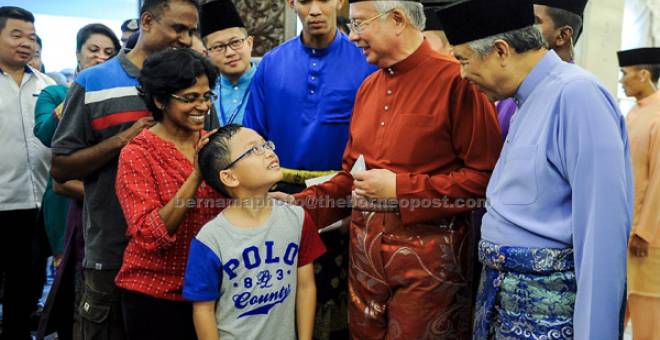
(248, 264)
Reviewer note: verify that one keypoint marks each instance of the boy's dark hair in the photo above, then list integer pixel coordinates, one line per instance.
(38, 39)
(87, 31)
(12, 12)
(561, 17)
(215, 157)
(654, 69)
(156, 7)
(169, 71)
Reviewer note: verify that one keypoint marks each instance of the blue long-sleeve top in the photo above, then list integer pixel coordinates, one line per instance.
(564, 180)
(54, 207)
(45, 121)
(233, 97)
(301, 98)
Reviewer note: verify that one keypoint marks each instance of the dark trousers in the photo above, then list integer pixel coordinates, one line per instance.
(100, 307)
(59, 314)
(17, 229)
(40, 253)
(146, 318)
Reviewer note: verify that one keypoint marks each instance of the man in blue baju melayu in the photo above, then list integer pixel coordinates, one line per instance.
(560, 198)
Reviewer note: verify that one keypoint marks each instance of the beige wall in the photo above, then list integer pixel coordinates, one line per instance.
(601, 39)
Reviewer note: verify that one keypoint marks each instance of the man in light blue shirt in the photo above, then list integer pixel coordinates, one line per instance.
(230, 49)
(560, 198)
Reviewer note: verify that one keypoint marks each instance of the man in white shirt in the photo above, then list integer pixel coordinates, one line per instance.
(24, 166)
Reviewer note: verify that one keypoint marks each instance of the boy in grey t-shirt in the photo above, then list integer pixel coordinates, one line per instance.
(250, 269)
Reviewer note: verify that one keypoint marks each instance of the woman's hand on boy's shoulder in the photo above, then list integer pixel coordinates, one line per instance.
(201, 142)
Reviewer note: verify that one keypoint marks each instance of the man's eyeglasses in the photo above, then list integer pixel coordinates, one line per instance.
(194, 97)
(359, 26)
(256, 150)
(234, 44)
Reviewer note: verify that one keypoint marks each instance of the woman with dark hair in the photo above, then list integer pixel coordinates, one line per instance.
(95, 44)
(162, 194)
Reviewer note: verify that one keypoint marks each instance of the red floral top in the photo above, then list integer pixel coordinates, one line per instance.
(150, 173)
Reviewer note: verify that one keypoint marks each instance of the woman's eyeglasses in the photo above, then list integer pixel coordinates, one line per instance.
(194, 97)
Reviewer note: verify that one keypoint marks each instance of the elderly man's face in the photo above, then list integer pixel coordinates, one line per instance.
(482, 72)
(374, 34)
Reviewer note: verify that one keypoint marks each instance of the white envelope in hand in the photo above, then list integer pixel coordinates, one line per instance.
(360, 165)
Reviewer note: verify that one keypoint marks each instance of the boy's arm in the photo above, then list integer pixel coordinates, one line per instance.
(204, 319)
(311, 247)
(201, 285)
(305, 302)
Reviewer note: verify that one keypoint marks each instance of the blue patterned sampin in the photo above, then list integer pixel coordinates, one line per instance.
(525, 293)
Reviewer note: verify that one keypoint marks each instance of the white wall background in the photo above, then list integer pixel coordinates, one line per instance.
(58, 21)
(58, 35)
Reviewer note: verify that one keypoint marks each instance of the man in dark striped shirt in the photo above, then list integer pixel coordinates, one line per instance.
(102, 113)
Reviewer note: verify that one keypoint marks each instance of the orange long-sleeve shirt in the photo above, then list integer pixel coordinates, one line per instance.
(433, 129)
(643, 123)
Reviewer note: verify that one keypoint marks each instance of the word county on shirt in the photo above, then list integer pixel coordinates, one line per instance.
(261, 289)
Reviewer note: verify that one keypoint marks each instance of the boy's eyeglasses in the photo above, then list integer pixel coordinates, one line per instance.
(234, 44)
(194, 97)
(257, 150)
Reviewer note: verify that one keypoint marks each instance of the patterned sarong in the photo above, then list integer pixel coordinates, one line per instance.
(525, 293)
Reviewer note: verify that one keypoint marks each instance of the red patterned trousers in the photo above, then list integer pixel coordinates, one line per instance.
(410, 282)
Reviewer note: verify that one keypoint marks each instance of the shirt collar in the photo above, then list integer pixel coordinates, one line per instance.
(536, 76)
(243, 80)
(412, 61)
(28, 69)
(128, 66)
(654, 98)
(320, 52)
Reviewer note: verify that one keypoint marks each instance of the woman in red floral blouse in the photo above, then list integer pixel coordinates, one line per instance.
(163, 196)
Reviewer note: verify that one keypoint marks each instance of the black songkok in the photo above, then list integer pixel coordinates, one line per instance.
(639, 56)
(217, 16)
(471, 20)
(573, 6)
(433, 23)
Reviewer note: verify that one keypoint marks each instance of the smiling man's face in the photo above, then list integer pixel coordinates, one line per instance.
(484, 72)
(231, 62)
(18, 43)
